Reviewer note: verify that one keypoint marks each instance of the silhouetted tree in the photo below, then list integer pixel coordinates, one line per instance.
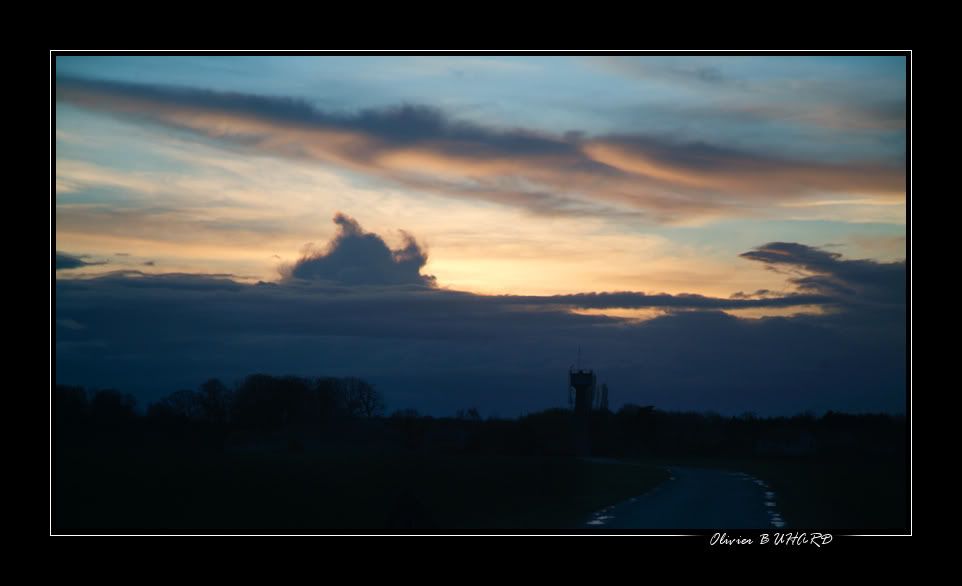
(69, 404)
(362, 398)
(272, 402)
(184, 404)
(471, 414)
(257, 402)
(112, 406)
(328, 400)
(215, 400)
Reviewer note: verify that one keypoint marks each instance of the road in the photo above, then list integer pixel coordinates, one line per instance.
(696, 498)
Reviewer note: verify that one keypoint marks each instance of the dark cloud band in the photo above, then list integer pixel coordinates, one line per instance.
(430, 347)
(64, 261)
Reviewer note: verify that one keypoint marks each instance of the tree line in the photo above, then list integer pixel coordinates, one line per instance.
(352, 408)
(259, 401)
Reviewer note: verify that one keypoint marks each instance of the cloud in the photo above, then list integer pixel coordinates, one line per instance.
(700, 165)
(356, 257)
(820, 272)
(69, 324)
(815, 97)
(674, 69)
(633, 300)
(64, 261)
(657, 178)
(356, 313)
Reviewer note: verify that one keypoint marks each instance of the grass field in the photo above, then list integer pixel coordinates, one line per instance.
(171, 482)
(347, 489)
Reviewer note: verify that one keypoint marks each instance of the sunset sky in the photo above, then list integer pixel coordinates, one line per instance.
(437, 223)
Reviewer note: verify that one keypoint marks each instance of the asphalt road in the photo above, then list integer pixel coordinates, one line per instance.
(696, 498)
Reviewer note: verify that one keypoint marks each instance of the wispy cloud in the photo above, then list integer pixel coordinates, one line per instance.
(808, 93)
(672, 69)
(656, 178)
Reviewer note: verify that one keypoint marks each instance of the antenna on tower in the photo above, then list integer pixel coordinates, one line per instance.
(579, 357)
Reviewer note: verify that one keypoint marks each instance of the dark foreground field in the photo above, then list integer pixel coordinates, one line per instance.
(285, 455)
(143, 488)
(127, 488)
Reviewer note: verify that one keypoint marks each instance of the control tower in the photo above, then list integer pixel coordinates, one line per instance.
(582, 384)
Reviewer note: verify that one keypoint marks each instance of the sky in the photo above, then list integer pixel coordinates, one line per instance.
(720, 233)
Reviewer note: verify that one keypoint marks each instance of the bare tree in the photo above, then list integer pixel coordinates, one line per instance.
(185, 404)
(362, 398)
